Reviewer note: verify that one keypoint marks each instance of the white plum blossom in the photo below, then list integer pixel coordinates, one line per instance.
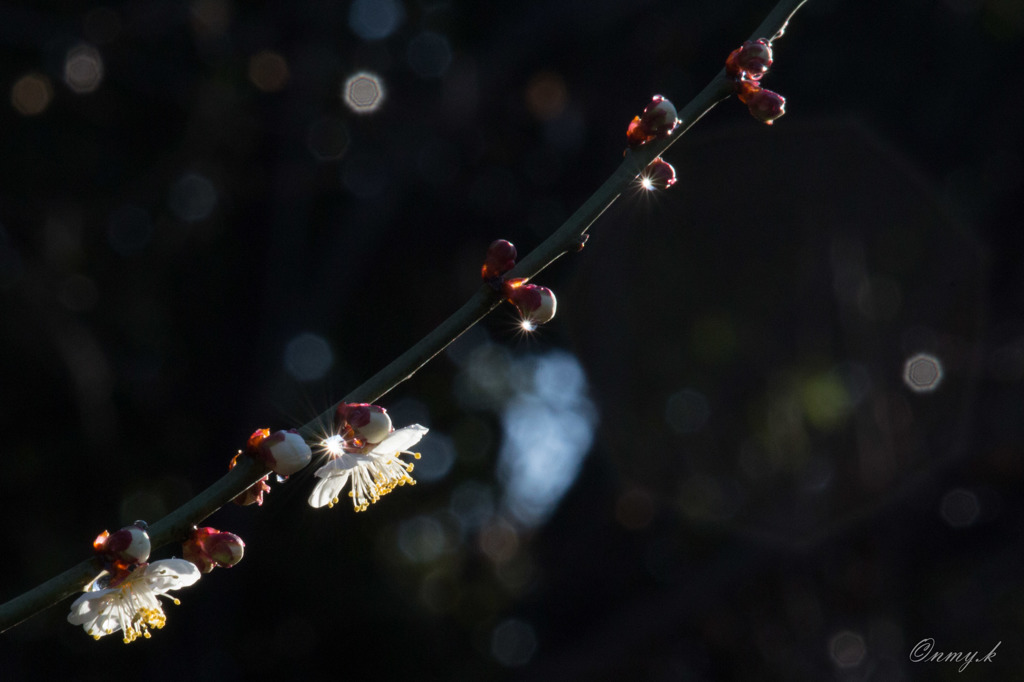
(132, 605)
(374, 470)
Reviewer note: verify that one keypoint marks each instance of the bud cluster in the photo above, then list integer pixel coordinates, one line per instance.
(536, 304)
(745, 66)
(124, 597)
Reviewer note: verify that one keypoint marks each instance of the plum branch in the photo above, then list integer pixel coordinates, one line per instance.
(566, 239)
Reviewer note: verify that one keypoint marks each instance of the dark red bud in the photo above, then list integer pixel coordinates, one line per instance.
(751, 60)
(766, 106)
(501, 257)
(657, 121)
(659, 174)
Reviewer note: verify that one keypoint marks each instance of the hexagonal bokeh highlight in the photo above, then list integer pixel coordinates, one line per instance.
(363, 92)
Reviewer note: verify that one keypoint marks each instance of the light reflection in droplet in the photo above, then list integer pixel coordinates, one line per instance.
(31, 94)
(83, 69)
(922, 373)
(308, 357)
(363, 92)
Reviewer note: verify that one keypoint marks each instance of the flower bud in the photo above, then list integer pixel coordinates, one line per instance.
(536, 304)
(370, 423)
(659, 174)
(501, 257)
(285, 452)
(124, 548)
(658, 120)
(751, 60)
(208, 548)
(766, 106)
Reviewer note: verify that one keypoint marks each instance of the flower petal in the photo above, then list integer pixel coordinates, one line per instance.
(170, 574)
(401, 439)
(87, 606)
(327, 490)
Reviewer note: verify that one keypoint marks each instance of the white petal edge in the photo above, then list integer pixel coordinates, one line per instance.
(401, 440)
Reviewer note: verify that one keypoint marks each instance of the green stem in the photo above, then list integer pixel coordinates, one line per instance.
(568, 238)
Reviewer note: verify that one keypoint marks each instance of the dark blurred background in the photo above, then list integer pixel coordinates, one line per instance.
(774, 432)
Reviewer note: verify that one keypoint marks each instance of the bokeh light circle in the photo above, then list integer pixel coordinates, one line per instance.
(363, 92)
(922, 373)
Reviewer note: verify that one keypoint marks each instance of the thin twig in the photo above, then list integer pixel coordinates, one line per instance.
(569, 237)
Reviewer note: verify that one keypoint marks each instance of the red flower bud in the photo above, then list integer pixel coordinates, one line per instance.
(369, 423)
(124, 549)
(536, 304)
(208, 548)
(659, 174)
(766, 106)
(751, 60)
(657, 121)
(501, 257)
(285, 452)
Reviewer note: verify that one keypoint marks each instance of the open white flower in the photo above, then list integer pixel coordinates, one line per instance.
(132, 606)
(374, 470)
